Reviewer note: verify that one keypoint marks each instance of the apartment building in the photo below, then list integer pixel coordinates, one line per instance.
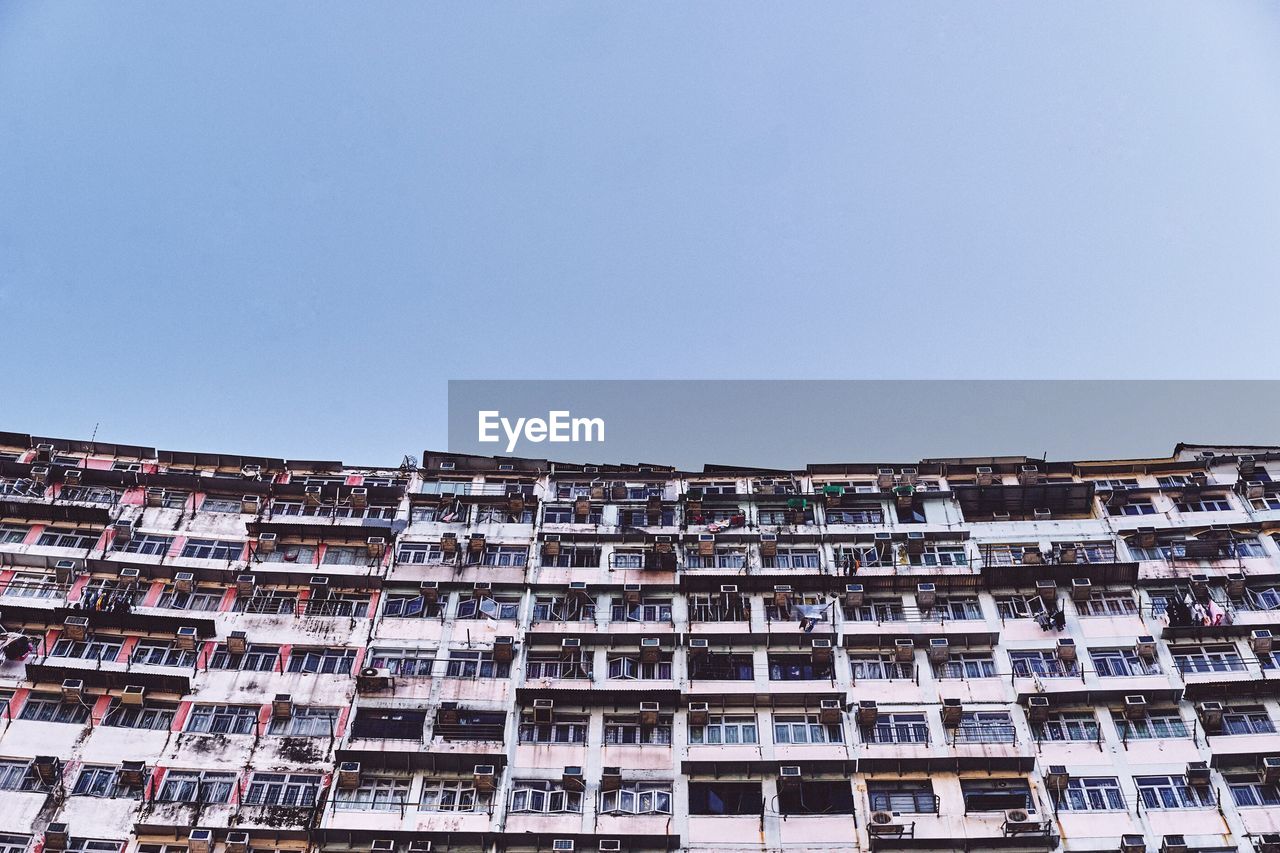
(225, 654)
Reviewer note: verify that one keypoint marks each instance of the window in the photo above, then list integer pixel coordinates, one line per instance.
(408, 605)
(724, 558)
(906, 796)
(574, 557)
(10, 843)
(826, 797)
(1250, 720)
(724, 607)
(172, 499)
(94, 845)
(376, 793)
(877, 610)
(99, 781)
(55, 537)
(419, 553)
(389, 723)
(149, 544)
(543, 797)
(1249, 790)
(1092, 794)
(954, 607)
(574, 607)
(217, 503)
(1205, 503)
(1134, 506)
(89, 494)
(792, 558)
(196, 786)
(1215, 658)
(282, 789)
(291, 553)
(807, 606)
(720, 666)
(1155, 726)
(725, 798)
(939, 554)
(1251, 547)
(306, 722)
(565, 729)
(1104, 603)
(967, 665)
(1120, 663)
(93, 647)
(152, 716)
(879, 668)
(276, 602)
(989, 795)
(223, 719)
(33, 585)
(212, 549)
(1171, 792)
(627, 730)
(325, 661)
(22, 487)
(405, 663)
(499, 607)
(898, 728)
(1041, 664)
(725, 730)
(443, 795)
(645, 610)
(631, 666)
(257, 658)
(344, 555)
(17, 775)
(639, 517)
(475, 664)
(564, 514)
(1019, 606)
(49, 708)
(856, 515)
(555, 665)
(985, 727)
(345, 604)
(500, 555)
(499, 515)
(203, 599)
(638, 798)
(162, 653)
(13, 534)
(1069, 726)
(1008, 553)
(798, 668)
(804, 728)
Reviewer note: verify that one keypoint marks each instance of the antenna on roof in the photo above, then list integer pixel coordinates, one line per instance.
(409, 463)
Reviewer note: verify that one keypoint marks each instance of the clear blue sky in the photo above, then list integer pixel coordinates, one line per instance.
(281, 227)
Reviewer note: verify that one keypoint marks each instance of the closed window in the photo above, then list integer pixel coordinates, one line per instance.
(49, 708)
(282, 789)
(905, 796)
(1092, 794)
(1171, 792)
(257, 658)
(638, 798)
(212, 549)
(440, 795)
(325, 661)
(375, 793)
(725, 730)
(196, 786)
(805, 728)
(223, 719)
(306, 722)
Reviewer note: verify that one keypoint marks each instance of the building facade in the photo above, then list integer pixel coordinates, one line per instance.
(223, 654)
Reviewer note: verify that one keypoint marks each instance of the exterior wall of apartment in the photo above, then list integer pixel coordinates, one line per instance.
(387, 672)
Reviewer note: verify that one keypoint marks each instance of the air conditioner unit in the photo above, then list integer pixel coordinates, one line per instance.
(1056, 777)
(312, 495)
(1038, 708)
(44, 452)
(1235, 584)
(984, 475)
(504, 648)
(885, 823)
(184, 581)
(155, 497)
(565, 844)
(610, 845)
(133, 694)
(904, 651)
(1000, 515)
(481, 588)
(1145, 646)
(122, 533)
(1174, 844)
(544, 710)
(572, 778)
(1254, 489)
(782, 596)
(1081, 589)
(1042, 514)
(570, 644)
(430, 591)
(349, 775)
(1210, 714)
(706, 544)
(729, 589)
(939, 650)
(820, 651)
(610, 778)
(373, 678)
(56, 836)
(376, 547)
(884, 477)
(73, 690)
(915, 542)
(245, 584)
(632, 593)
(1029, 475)
(1145, 537)
(1200, 585)
(266, 543)
(420, 846)
(699, 646)
(449, 543)
(699, 713)
(129, 576)
(237, 842)
(48, 769)
(1019, 820)
(789, 777)
(952, 712)
(867, 713)
(251, 472)
(830, 712)
(1271, 769)
(447, 714)
(485, 777)
(577, 586)
(1246, 465)
(250, 504)
(359, 497)
(1267, 842)
(237, 642)
(650, 649)
(926, 595)
(40, 474)
(854, 595)
(1032, 557)
(769, 544)
(75, 627)
(1068, 553)
(648, 713)
(1135, 707)
(318, 581)
(1260, 641)
(382, 845)
(1047, 590)
(282, 706)
(200, 840)
(186, 638)
(1066, 649)
(448, 466)
(1198, 774)
(133, 772)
